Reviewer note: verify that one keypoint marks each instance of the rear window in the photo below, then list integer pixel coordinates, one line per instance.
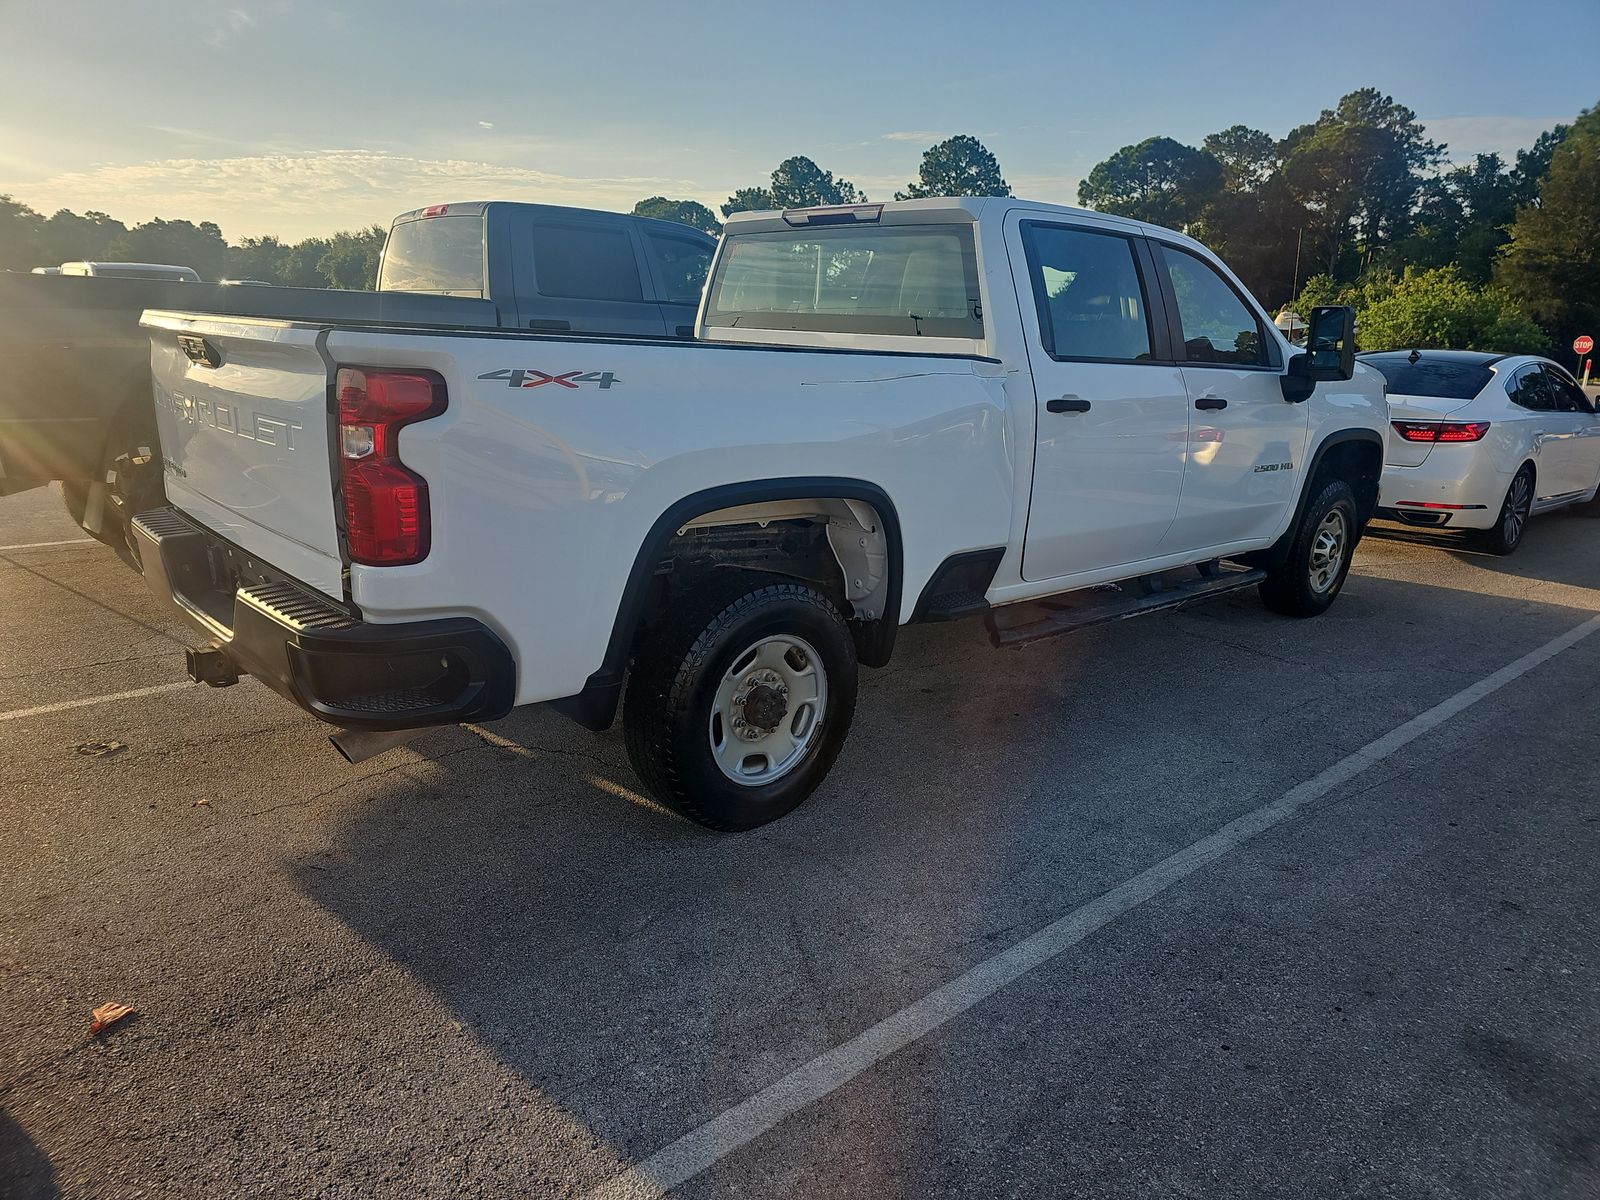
(1438, 377)
(910, 280)
(443, 255)
(585, 262)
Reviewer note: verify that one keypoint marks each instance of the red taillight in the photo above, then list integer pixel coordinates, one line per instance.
(436, 210)
(1441, 431)
(385, 502)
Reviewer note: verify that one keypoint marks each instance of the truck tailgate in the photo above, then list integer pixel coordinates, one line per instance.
(242, 409)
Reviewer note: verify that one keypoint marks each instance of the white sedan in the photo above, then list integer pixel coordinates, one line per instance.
(1483, 441)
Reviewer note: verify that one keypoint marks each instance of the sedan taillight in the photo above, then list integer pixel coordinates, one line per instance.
(1441, 431)
(387, 522)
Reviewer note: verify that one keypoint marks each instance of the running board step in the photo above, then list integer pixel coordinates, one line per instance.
(1031, 620)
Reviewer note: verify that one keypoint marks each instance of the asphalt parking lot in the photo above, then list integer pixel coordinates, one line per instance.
(1214, 903)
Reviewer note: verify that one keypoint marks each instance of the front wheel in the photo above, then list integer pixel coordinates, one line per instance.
(740, 702)
(1313, 574)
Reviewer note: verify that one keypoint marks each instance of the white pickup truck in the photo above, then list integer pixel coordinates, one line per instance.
(890, 413)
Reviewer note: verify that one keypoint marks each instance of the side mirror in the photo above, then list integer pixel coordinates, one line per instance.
(1330, 352)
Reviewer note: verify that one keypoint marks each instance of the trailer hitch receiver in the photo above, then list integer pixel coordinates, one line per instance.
(211, 666)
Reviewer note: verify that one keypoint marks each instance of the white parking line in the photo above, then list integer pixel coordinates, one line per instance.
(43, 709)
(39, 545)
(701, 1148)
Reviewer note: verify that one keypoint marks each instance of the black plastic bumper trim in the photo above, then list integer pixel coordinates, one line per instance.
(308, 649)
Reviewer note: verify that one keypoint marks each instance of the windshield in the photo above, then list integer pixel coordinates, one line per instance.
(919, 280)
(443, 255)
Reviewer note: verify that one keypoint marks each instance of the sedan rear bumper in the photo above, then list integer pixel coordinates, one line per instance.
(1456, 486)
(337, 667)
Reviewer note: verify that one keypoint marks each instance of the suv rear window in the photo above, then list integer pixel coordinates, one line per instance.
(910, 279)
(1440, 377)
(443, 255)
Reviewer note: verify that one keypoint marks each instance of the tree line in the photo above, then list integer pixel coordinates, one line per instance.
(1354, 207)
(348, 259)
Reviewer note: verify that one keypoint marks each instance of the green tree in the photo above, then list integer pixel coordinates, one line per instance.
(799, 183)
(20, 229)
(1158, 180)
(263, 258)
(685, 212)
(1429, 309)
(1553, 262)
(957, 166)
(796, 183)
(1247, 156)
(1357, 169)
(750, 199)
(351, 259)
(181, 242)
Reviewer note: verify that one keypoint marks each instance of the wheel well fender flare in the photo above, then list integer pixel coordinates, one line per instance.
(595, 707)
(1279, 550)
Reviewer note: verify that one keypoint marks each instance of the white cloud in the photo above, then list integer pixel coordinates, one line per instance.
(1466, 136)
(296, 195)
(916, 135)
(485, 124)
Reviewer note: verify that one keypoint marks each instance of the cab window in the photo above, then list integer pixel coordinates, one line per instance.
(681, 264)
(1218, 326)
(1089, 295)
(585, 262)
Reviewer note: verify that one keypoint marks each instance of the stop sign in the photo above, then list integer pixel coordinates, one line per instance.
(1582, 344)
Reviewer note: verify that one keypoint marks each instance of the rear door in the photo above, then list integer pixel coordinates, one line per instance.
(679, 263)
(1112, 414)
(583, 274)
(243, 411)
(1246, 442)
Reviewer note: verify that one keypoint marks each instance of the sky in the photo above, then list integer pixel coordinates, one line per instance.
(295, 118)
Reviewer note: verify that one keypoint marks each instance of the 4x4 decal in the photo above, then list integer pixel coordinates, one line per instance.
(529, 378)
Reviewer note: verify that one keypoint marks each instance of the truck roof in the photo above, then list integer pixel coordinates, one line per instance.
(945, 208)
(477, 208)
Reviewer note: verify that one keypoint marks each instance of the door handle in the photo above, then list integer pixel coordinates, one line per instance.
(1211, 402)
(1065, 404)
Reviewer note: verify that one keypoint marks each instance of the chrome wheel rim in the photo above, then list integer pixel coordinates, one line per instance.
(768, 710)
(1327, 551)
(1518, 501)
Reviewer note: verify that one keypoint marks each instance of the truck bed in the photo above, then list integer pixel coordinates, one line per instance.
(77, 360)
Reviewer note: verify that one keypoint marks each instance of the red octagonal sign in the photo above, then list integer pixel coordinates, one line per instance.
(1582, 344)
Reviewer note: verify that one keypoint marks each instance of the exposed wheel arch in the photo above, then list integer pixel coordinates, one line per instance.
(595, 706)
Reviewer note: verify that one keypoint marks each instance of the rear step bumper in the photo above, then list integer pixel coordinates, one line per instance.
(346, 671)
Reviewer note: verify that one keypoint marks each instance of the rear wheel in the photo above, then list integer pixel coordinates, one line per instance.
(1311, 577)
(740, 702)
(1507, 533)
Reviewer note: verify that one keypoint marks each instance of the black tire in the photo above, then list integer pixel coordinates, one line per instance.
(673, 691)
(1512, 524)
(1302, 586)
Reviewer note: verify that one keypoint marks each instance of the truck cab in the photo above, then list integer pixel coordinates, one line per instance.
(552, 269)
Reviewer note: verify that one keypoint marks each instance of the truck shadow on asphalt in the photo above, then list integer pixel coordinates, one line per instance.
(639, 972)
(25, 1170)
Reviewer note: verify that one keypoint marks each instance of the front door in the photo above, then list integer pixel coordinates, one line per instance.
(1112, 420)
(1575, 448)
(1246, 442)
